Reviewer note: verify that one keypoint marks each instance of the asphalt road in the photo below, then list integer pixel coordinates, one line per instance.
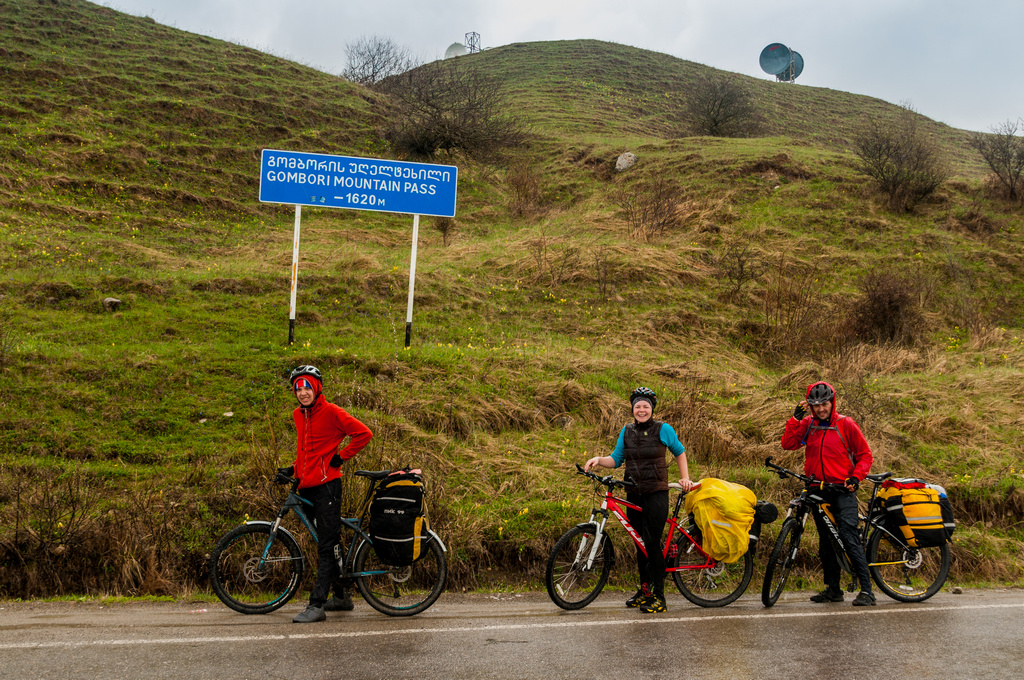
(977, 634)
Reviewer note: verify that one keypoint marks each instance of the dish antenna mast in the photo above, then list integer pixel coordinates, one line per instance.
(473, 42)
(780, 61)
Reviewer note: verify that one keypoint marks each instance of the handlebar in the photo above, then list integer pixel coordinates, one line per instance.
(611, 482)
(809, 481)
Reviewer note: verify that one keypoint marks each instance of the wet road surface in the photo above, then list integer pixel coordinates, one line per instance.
(978, 634)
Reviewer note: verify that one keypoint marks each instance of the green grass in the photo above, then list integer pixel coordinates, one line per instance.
(128, 168)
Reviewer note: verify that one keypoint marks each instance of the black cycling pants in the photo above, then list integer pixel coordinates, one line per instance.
(326, 515)
(650, 524)
(844, 509)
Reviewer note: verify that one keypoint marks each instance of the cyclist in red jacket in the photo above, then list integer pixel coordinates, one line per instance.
(835, 451)
(322, 427)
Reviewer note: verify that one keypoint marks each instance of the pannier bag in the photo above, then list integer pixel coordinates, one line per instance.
(724, 513)
(398, 522)
(918, 511)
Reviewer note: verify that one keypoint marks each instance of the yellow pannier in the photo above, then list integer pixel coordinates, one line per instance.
(724, 512)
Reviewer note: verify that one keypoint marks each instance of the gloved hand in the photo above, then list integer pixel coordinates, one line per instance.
(799, 412)
(336, 461)
(852, 483)
(284, 475)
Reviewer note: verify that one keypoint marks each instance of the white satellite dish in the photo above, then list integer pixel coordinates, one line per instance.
(455, 50)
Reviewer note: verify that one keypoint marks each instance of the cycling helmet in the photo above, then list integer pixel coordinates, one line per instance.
(820, 393)
(311, 371)
(645, 393)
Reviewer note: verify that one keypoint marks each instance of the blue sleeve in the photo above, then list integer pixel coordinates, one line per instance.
(619, 454)
(669, 439)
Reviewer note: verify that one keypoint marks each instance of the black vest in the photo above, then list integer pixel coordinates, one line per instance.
(645, 456)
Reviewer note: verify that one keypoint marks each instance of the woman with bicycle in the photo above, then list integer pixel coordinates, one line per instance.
(642, 446)
(835, 452)
(322, 428)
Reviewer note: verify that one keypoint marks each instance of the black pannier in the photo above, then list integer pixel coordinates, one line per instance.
(398, 522)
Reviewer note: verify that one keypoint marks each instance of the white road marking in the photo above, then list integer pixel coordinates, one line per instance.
(565, 623)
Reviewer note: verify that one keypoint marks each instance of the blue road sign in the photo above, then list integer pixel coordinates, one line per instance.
(357, 183)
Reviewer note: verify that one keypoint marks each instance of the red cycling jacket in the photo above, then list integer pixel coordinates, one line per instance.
(321, 429)
(834, 452)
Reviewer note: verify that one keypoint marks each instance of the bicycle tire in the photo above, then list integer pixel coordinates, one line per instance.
(714, 586)
(905, 573)
(781, 562)
(401, 591)
(248, 582)
(570, 585)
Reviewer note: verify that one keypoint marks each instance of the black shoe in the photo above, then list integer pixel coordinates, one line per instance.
(654, 605)
(339, 604)
(828, 595)
(864, 598)
(642, 594)
(310, 614)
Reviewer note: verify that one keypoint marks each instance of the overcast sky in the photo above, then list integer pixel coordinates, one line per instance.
(960, 62)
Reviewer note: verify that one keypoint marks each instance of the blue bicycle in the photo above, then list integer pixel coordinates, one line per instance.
(257, 567)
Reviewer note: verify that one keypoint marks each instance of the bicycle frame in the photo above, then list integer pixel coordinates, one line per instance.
(612, 505)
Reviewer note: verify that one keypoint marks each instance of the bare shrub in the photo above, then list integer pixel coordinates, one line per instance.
(791, 312)
(740, 263)
(523, 183)
(370, 60)
(650, 208)
(555, 261)
(1003, 150)
(888, 309)
(721, 106)
(445, 107)
(445, 226)
(901, 158)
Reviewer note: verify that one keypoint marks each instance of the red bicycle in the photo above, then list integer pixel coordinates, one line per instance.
(578, 568)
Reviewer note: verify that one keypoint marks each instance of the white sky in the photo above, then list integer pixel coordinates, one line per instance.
(960, 62)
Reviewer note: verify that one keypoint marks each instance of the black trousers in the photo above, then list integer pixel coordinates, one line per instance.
(650, 524)
(844, 509)
(326, 514)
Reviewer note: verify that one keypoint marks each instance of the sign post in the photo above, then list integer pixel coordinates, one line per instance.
(298, 178)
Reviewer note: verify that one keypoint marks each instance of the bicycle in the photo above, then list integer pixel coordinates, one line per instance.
(582, 558)
(901, 571)
(257, 567)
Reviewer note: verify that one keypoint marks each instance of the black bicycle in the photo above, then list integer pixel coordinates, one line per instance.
(901, 571)
(257, 567)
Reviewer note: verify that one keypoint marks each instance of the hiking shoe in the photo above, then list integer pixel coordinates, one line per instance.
(864, 599)
(310, 614)
(340, 604)
(640, 596)
(653, 605)
(828, 595)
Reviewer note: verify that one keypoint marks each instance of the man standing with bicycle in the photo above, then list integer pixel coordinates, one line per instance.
(322, 427)
(835, 452)
(642, 445)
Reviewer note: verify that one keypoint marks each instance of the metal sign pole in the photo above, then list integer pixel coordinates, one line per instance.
(412, 278)
(295, 274)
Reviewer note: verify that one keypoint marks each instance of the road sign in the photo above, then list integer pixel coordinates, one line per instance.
(329, 181)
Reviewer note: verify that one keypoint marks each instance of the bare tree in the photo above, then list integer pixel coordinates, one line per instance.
(720, 106)
(446, 106)
(372, 59)
(901, 158)
(1003, 150)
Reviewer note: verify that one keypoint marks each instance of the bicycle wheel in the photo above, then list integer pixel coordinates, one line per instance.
(714, 586)
(904, 573)
(783, 555)
(571, 585)
(253, 574)
(401, 591)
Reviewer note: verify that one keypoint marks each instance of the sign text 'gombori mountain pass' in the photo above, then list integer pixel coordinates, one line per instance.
(357, 183)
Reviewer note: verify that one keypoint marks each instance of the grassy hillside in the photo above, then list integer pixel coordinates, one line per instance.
(131, 440)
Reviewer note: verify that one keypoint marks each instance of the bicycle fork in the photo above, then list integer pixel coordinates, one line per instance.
(586, 554)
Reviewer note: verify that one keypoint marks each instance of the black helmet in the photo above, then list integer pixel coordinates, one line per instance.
(305, 370)
(644, 393)
(820, 393)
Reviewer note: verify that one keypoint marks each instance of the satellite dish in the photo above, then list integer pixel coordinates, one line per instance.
(455, 50)
(775, 59)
